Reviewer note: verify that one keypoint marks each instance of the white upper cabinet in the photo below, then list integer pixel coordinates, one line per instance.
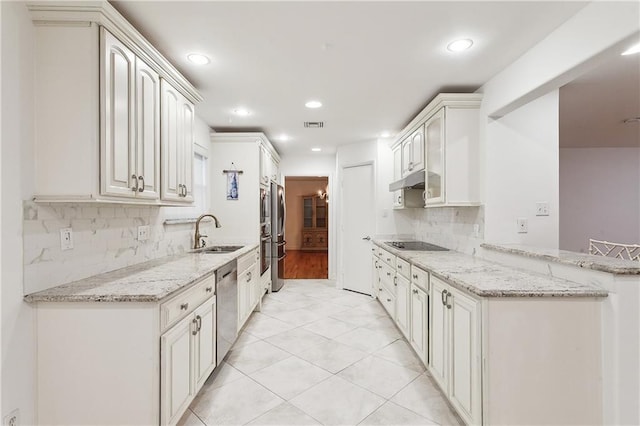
(452, 177)
(413, 152)
(443, 140)
(177, 145)
(109, 79)
(130, 122)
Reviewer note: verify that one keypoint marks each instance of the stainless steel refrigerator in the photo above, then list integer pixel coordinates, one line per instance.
(278, 252)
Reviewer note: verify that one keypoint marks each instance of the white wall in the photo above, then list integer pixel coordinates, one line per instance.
(18, 339)
(599, 196)
(522, 169)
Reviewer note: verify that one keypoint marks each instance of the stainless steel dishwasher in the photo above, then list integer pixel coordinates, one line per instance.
(227, 309)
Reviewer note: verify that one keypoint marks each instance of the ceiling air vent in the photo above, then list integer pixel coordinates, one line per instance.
(314, 124)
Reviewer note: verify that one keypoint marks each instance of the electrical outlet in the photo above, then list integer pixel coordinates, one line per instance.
(12, 419)
(523, 226)
(542, 208)
(66, 239)
(143, 233)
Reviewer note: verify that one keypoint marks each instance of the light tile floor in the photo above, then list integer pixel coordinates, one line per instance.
(317, 355)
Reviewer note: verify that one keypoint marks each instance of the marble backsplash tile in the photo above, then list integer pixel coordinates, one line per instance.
(451, 227)
(104, 237)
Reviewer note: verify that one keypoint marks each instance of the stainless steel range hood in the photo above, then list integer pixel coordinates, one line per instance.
(413, 181)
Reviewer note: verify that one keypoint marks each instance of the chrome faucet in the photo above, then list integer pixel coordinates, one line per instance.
(198, 238)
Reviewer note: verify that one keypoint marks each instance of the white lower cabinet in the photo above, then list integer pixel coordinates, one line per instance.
(187, 357)
(454, 348)
(249, 284)
(419, 310)
(402, 304)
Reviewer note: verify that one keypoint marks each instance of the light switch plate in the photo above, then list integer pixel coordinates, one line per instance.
(66, 239)
(542, 208)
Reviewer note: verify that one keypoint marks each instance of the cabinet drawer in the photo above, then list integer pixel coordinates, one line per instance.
(388, 258)
(420, 278)
(186, 302)
(403, 267)
(388, 302)
(246, 261)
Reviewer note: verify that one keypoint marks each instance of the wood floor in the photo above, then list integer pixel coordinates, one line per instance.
(306, 264)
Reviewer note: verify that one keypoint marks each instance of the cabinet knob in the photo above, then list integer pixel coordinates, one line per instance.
(415, 277)
(184, 306)
(388, 300)
(415, 291)
(388, 274)
(209, 289)
(399, 266)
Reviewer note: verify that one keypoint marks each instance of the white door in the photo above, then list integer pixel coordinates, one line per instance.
(358, 225)
(148, 134)
(186, 160)
(402, 303)
(170, 143)
(176, 387)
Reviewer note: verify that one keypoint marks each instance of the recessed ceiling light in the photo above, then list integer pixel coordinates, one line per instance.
(385, 134)
(316, 149)
(198, 59)
(313, 104)
(283, 138)
(242, 112)
(459, 45)
(632, 50)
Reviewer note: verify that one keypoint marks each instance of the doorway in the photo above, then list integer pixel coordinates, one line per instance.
(307, 227)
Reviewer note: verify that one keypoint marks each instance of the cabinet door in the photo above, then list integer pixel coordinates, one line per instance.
(402, 304)
(171, 144)
(186, 160)
(397, 174)
(406, 157)
(434, 138)
(275, 170)
(204, 342)
(265, 166)
(176, 386)
(438, 333)
(464, 383)
(417, 150)
(117, 156)
(148, 134)
(419, 326)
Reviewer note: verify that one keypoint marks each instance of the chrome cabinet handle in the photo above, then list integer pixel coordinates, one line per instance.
(141, 186)
(195, 322)
(399, 266)
(179, 190)
(388, 274)
(448, 304)
(199, 321)
(442, 297)
(379, 289)
(367, 238)
(184, 306)
(248, 276)
(185, 190)
(376, 264)
(399, 199)
(134, 187)
(395, 281)
(415, 291)
(208, 289)
(410, 165)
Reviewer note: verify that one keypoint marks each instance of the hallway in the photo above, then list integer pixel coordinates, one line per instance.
(317, 355)
(306, 265)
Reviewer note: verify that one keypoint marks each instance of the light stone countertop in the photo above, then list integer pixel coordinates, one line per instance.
(583, 260)
(489, 279)
(145, 282)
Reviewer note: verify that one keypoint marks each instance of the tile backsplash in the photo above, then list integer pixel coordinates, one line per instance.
(104, 239)
(451, 227)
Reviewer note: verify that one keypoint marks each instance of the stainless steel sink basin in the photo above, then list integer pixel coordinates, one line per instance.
(219, 249)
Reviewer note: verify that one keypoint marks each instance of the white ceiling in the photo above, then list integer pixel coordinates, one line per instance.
(594, 106)
(374, 65)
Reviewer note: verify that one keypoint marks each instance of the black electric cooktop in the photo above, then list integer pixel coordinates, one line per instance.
(415, 245)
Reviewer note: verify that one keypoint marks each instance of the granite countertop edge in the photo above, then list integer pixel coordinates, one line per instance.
(80, 290)
(597, 263)
(463, 283)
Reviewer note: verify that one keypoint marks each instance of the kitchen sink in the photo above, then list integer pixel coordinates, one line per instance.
(415, 245)
(218, 249)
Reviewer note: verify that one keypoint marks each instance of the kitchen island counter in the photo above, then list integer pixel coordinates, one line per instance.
(489, 279)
